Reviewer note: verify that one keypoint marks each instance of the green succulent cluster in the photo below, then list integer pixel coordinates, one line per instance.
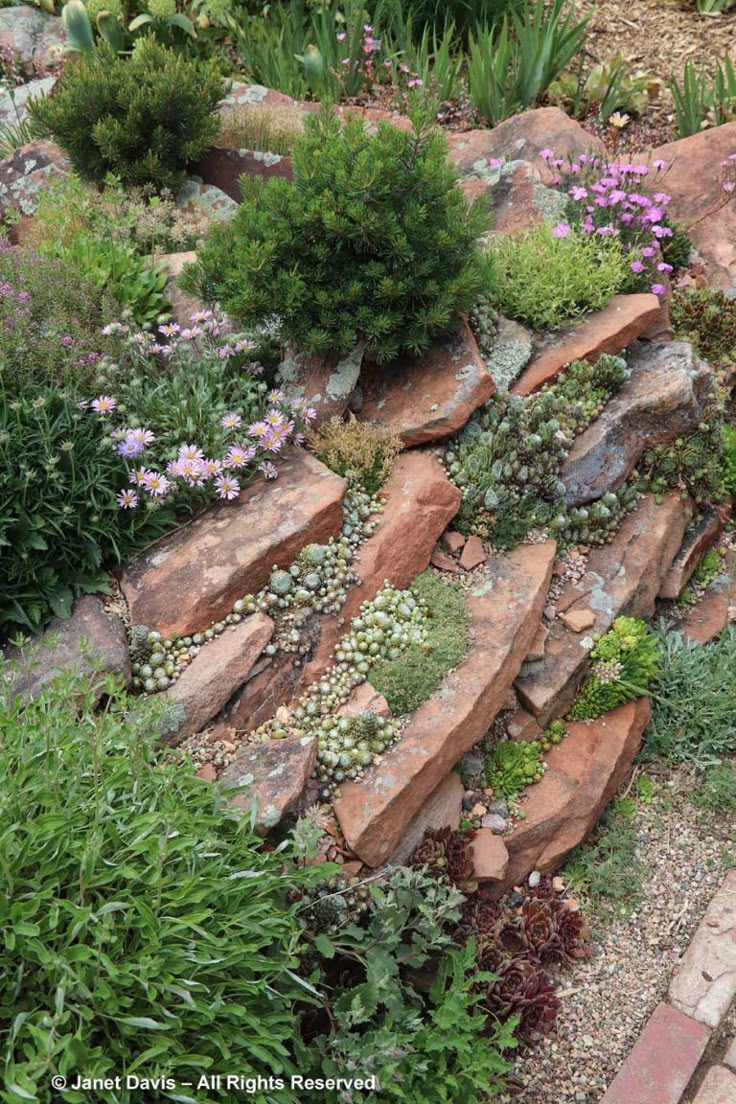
(553, 734)
(316, 582)
(707, 318)
(728, 459)
(507, 459)
(346, 745)
(385, 628)
(625, 660)
(514, 766)
(694, 461)
(484, 324)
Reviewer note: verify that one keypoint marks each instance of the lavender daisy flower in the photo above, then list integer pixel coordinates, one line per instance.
(209, 468)
(268, 469)
(143, 437)
(227, 487)
(130, 448)
(169, 329)
(105, 404)
(127, 500)
(230, 421)
(275, 396)
(156, 484)
(191, 452)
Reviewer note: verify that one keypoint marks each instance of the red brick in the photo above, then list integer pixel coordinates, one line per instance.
(662, 1062)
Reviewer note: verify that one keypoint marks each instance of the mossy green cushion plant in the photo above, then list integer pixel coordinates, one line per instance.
(373, 241)
(144, 118)
(409, 680)
(546, 281)
(625, 661)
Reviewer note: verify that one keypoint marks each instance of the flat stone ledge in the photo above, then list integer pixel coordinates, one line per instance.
(705, 983)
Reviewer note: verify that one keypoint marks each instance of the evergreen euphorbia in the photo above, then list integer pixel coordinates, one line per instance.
(373, 241)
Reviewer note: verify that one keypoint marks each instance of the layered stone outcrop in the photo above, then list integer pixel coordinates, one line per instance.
(192, 577)
(505, 607)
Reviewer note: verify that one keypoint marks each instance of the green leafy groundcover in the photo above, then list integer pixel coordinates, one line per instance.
(147, 931)
(144, 928)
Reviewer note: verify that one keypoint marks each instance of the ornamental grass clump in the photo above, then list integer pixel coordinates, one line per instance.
(146, 928)
(372, 242)
(145, 117)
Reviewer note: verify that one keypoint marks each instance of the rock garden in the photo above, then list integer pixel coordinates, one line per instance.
(367, 708)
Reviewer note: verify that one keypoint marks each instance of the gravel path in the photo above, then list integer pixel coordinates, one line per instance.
(607, 999)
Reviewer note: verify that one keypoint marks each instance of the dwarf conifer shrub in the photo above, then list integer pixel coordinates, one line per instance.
(144, 118)
(372, 242)
(146, 929)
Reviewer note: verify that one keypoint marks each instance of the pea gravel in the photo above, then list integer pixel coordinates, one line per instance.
(607, 999)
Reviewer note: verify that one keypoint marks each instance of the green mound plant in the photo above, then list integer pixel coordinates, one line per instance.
(625, 661)
(513, 766)
(145, 118)
(410, 679)
(694, 700)
(546, 281)
(363, 453)
(372, 243)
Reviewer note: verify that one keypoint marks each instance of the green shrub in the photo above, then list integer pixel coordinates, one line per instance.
(409, 681)
(59, 520)
(145, 927)
(547, 281)
(694, 700)
(372, 242)
(144, 118)
(50, 317)
(625, 661)
(716, 789)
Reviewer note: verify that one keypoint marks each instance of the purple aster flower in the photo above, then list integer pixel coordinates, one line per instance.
(104, 404)
(230, 421)
(227, 487)
(209, 468)
(137, 475)
(130, 448)
(127, 500)
(237, 456)
(143, 437)
(169, 329)
(156, 484)
(277, 395)
(268, 469)
(191, 452)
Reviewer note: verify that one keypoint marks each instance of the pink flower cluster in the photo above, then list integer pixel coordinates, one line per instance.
(608, 200)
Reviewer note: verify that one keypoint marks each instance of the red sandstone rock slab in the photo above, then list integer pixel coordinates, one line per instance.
(504, 607)
(223, 168)
(274, 775)
(694, 182)
(585, 770)
(663, 1060)
(704, 984)
(489, 856)
(442, 809)
(623, 577)
(718, 1087)
(453, 541)
(473, 554)
(428, 397)
(91, 642)
(272, 682)
(712, 613)
(523, 137)
(193, 576)
(365, 699)
(538, 644)
(697, 542)
(420, 501)
(326, 383)
(516, 196)
(522, 727)
(222, 666)
(663, 398)
(607, 331)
